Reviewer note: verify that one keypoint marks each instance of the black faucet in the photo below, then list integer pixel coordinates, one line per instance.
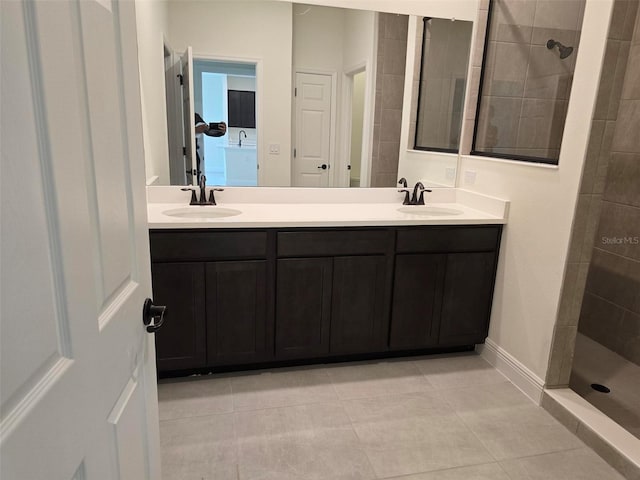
(418, 188)
(240, 137)
(202, 184)
(403, 182)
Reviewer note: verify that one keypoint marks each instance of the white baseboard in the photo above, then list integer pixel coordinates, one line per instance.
(523, 378)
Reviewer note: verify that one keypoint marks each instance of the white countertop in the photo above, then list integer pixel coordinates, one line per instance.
(290, 207)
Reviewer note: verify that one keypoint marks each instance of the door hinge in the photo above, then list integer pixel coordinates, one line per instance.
(180, 78)
(184, 150)
(295, 92)
(295, 153)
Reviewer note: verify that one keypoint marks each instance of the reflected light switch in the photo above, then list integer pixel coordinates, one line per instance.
(450, 173)
(470, 177)
(274, 148)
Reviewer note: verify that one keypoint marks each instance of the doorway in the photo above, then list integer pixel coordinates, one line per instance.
(226, 92)
(358, 83)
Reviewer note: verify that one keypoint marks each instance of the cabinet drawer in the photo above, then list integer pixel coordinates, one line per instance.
(448, 239)
(333, 243)
(210, 246)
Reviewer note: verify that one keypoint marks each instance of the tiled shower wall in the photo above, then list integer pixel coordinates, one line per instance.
(526, 87)
(392, 52)
(609, 175)
(611, 306)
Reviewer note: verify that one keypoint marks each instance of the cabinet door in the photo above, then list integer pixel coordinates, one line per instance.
(303, 302)
(468, 291)
(417, 301)
(237, 312)
(181, 342)
(358, 305)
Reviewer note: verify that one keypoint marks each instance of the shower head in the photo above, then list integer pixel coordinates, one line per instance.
(564, 51)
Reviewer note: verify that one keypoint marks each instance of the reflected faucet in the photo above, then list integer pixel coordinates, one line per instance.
(203, 190)
(415, 200)
(405, 190)
(240, 137)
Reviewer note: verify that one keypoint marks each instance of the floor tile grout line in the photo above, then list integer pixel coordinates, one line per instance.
(555, 452)
(400, 477)
(524, 456)
(177, 419)
(484, 446)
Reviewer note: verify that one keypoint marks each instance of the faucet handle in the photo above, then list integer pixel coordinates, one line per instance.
(194, 200)
(406, 196)
(403, 182)
(421, 199)
(212, 198)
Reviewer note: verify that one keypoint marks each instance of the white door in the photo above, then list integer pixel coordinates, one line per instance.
(312, 151)
(188, 113)
(175, 128)
(77, 380)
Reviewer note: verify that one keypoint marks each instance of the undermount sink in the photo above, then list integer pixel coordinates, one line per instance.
(202, 212)
(429, 211)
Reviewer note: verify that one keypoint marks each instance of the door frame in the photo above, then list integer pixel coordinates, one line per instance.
(173, 99)
(333, 118)
(259, 63)
(346, 115)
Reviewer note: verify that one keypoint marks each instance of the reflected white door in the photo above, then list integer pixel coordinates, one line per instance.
(188, 114)
(175, 128)
(312, 154)
(77, 384)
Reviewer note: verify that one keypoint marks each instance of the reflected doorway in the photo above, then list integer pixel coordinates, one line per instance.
(358, 87)
(226, 92)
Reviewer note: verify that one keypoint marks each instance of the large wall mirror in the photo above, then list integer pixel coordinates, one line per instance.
(311, 95)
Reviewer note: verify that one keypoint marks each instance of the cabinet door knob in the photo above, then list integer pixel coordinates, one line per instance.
(153, 315)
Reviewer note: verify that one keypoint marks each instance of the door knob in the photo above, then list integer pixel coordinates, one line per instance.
(153, 315)
(324, 166)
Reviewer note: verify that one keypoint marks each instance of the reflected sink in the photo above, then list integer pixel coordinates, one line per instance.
(429, 211)
(202, 212)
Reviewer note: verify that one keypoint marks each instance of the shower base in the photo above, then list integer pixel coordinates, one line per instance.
(595, 364)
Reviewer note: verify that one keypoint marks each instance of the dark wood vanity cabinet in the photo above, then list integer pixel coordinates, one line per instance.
(331, 293)
(303, 307)
(182, 343)
(238, 297)
(236, 301)
(417, 301)
(443, 286)
(330, 306)
(216, 289)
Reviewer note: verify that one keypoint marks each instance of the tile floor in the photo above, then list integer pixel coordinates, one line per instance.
(594, 363)
(420, 418)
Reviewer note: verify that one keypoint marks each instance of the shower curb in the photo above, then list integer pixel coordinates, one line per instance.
(609, 440)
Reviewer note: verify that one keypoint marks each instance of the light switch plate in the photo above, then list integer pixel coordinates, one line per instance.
(274, 148)
(470, 177)
(450, 173)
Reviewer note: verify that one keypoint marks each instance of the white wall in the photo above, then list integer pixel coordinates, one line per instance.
(152, 23)
(250, 30)
(543, 199)
(318, 39)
